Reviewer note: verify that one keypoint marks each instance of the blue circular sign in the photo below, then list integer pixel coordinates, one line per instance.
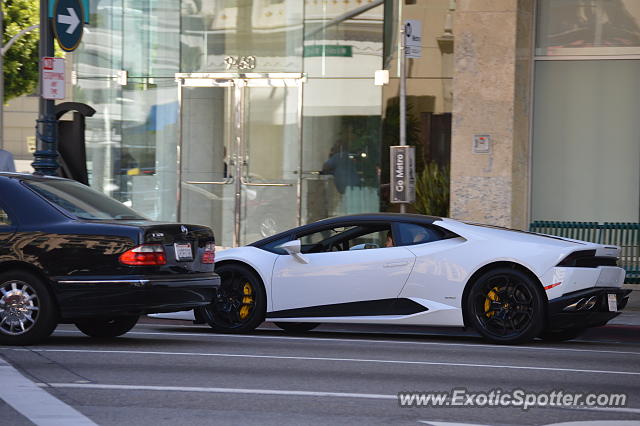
(68, 23)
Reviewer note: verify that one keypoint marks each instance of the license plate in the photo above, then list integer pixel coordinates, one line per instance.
(613, 302)
(183, 251)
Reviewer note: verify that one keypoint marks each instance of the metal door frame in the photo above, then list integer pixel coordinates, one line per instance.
(238, 81)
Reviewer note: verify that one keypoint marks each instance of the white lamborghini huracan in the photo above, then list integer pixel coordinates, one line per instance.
(510, 286)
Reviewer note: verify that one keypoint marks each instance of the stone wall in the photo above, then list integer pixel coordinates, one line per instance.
(492, 90)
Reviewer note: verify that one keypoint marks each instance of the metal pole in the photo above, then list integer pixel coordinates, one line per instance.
(47, 126)
(403, 96)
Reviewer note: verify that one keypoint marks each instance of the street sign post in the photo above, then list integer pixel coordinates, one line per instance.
(413, 38)
(52, 70)
(403, 174)
(68, 23)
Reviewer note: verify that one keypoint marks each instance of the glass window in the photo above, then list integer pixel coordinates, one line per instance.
(343, 38)
(82, 201)
(274, 246)
(410, 233)
(152, 38)
(341, 147)
(346, 238)
(147, 156)
(100, 54)
(586, 141)
(4, 218)
(239, 35)
(588, 27)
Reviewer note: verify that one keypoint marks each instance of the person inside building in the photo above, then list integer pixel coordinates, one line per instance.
(6, 161)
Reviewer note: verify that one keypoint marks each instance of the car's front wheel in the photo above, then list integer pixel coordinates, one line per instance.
(106, 327)
(27, 310)
(240, 303)
(297, 327)
(506, 306)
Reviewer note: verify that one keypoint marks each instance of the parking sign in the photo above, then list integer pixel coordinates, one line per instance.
(52, 78)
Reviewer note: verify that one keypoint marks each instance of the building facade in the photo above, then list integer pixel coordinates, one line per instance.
(253, 116)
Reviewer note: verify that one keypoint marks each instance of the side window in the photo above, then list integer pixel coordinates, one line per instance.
(273, 246)
(410, 233)
(4, 218)
(346, 238)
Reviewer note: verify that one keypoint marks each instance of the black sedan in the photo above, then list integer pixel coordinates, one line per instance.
(70, 254)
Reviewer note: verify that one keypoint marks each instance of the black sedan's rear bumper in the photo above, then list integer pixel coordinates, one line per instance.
(571, 310)
(81, 297)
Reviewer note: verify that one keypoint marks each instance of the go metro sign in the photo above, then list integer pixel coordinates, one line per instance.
(68, 18)
(403, 174)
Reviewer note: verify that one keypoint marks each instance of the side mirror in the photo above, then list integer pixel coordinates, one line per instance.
(294, 248)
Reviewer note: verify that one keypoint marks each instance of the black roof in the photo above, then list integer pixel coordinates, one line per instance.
(362, 217)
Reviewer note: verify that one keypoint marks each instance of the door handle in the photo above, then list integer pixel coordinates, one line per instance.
(396, 264)
(248, 183)
(224, 182)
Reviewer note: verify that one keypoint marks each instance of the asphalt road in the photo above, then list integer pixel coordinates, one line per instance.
(172, 372)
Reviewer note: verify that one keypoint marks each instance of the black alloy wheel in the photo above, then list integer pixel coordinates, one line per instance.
(106, 328)
(297, 327)
(506, 306)
(241, 302)
(27, 311)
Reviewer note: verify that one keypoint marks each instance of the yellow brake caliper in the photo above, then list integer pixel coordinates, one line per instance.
(247, 300)
(492, 296)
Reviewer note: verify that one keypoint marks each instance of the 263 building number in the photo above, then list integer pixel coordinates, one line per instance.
(240, 62)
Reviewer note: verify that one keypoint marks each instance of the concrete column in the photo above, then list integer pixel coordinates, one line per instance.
(493, 61)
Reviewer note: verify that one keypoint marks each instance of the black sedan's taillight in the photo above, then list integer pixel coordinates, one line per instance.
(144, 255)
(209, 254)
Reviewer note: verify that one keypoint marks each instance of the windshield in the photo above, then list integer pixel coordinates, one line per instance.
(81, 201)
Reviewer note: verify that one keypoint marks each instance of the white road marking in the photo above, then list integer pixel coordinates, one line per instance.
(580, 423)
(308, 358)
(335, 339)
(222, 390)
(249, 391)
(36, 404)
(426, 422)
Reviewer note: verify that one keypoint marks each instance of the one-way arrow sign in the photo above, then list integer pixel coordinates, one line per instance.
(71, 19)
(67, 25)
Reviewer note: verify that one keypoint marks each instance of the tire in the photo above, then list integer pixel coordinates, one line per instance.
(28, 313)
(506, 306)
(106, 328)
(561, 335)
(297, 327)
(241, 301)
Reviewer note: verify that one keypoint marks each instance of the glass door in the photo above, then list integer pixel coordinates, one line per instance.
(240, 148)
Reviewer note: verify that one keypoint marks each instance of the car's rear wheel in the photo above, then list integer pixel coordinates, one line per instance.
(106, 327)
(27, 311)
(506, 306)
(561, 335)
(297, 327)
(240, 303)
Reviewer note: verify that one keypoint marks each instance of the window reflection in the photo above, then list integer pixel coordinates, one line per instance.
(581, 24)
(270, 30)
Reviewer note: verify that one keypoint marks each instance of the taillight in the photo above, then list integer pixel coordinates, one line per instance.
(209, 255)
(144, 255)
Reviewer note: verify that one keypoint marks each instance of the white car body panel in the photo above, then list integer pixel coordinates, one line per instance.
(329, 278)
(433, 274)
